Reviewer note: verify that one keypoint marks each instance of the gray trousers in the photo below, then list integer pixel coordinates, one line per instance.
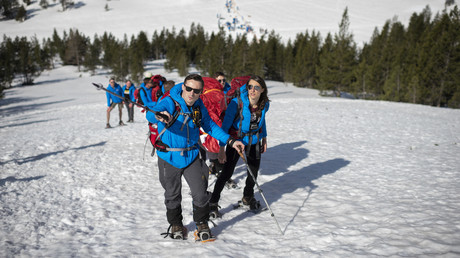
(196, 175)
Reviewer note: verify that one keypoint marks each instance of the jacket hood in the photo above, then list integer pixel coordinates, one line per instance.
(176, 94)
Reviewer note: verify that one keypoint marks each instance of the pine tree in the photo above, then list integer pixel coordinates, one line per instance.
(306, 59)
(195, 43)
(8, 8)
(27, 63)
(255, 53)
(21, 15)
(75, 50)
(273, 57)
(92, 55)
(238, 61)
(158, 49)
(338, 60)
(393, 63)
(443, 59)
(417, 91)
(7, 57)
(136, 64)
(44, 4)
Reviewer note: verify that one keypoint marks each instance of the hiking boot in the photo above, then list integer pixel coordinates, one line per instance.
(214, 211)
(107, 126)
(203, 233)
(251, 202)
(121, 123)
(178, 232)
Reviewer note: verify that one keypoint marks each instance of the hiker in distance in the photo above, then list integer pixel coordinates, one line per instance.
(128, 93)
(113, 101)
(244, 120)
(178, 154)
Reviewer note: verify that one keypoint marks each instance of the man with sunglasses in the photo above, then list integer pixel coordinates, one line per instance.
(220, 77)
(113, 101)
(179, 154)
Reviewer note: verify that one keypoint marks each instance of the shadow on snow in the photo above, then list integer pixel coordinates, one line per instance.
(279, 159)
(13, 179)
(21, 161)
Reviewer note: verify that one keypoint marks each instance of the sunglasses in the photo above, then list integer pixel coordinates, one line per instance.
(189, 89)
(221, 81)
(256, 87)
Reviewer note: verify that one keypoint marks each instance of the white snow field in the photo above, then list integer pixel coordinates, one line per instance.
(287, 17)
(344, 178)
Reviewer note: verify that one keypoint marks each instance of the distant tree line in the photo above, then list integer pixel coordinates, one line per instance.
(417, 64)
(12, 9)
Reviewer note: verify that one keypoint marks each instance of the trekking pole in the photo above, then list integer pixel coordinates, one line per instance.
(100, 87)
(261, 192)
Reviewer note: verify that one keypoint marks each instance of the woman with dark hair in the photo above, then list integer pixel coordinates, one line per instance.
(244, 120)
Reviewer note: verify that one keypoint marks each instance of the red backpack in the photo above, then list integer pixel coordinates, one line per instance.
(137, 95)
(216, 103)
(235, 85)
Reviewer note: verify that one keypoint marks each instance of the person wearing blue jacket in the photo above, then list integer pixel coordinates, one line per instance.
(220, 77)
(128, 92)
(244, 120)
(113, 101)
(178, 154)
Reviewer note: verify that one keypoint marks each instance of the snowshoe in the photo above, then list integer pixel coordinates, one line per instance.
(231, 184)
(250, 204)
(203, 233)
(214, 211)
(178, 232)
(121, 123)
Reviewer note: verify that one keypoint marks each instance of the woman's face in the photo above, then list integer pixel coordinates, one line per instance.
(254, 91)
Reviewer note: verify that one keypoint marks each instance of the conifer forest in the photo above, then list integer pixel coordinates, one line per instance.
(419, 63)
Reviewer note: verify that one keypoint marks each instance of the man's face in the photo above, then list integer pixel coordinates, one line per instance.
(112, 82)
(191, 91)
(221, 80)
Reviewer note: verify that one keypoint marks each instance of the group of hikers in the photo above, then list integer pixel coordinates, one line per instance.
(202, 116)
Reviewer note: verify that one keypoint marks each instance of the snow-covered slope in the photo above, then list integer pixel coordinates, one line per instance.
(287, 17)
(344, 178)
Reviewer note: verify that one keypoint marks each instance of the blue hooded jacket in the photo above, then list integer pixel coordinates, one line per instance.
(181, 135)
(146, 95)
(111, 98)
(131, 92)
(232, 112)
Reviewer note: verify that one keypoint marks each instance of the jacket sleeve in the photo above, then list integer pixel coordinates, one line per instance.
(264, 125)
(131, 93)
(230, 114)
(108, 97)
(166, 104)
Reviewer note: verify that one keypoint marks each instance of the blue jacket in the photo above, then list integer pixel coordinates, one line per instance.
(179, 136)
(232, 112)
(227, 87)
(131, 92)
(111, 98)
(146, 96)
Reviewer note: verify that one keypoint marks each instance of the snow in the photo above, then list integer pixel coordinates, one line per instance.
(287, 18)
(344, 178)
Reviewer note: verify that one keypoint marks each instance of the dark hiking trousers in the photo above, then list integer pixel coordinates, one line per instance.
(229, 168)
(196, 175)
